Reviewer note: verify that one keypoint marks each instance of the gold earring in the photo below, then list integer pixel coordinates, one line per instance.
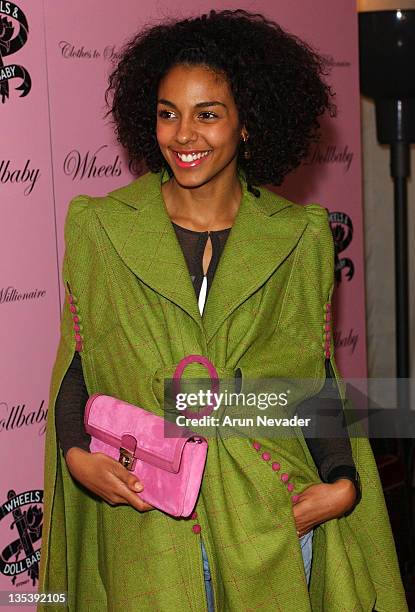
(247, 154)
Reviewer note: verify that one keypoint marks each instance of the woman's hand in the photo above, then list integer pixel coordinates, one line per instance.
(106, 477)
(323, 502)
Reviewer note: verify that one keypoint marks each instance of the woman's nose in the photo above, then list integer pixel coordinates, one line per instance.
(185, 132)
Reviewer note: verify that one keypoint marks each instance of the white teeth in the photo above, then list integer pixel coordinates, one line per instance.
(188, 158)
(192, 156)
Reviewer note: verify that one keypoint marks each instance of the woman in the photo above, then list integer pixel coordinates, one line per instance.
(216, 106)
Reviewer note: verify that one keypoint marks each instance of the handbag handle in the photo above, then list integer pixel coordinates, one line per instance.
(213, 377)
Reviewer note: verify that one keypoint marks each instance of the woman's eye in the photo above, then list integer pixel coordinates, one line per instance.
(208, 115)
(165, 114)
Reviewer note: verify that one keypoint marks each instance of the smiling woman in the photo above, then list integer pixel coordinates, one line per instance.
(197, 257)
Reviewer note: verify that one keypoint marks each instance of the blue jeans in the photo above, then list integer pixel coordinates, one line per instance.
(306, 543)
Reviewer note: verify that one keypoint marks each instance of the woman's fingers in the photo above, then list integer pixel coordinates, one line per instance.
(107, 478)
(123, 495)
(130, 479)
(309, 510)
(126, 487)
(304, 521)
(322, 502)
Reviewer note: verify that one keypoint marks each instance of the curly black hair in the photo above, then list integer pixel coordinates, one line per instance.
(276, 80)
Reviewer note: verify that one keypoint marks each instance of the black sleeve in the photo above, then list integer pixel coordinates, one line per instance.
(69, 408)
(332, 453)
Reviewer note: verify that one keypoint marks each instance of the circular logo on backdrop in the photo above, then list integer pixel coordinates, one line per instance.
(342, 229)
(14, 31)
(21, 518)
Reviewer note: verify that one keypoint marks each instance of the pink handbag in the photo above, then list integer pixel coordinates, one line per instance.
(170, 468)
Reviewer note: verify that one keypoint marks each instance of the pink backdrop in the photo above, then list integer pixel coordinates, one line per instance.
(56, 143)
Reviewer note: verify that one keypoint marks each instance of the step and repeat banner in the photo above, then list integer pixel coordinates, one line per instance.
(55, 143)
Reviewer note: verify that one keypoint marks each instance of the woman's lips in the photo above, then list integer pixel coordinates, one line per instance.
(190, 164)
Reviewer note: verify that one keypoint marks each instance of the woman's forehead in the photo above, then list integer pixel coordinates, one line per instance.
(195, 80)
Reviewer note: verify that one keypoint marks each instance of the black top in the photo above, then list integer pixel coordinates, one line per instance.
(332, 455)
(193, 246)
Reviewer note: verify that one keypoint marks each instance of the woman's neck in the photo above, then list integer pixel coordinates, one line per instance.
(212, 206)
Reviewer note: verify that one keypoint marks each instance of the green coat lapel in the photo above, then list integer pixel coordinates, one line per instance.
(146, 241)
(260, 240)
(142, 234)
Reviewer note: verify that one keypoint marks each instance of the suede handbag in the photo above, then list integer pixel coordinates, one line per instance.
(168, 460)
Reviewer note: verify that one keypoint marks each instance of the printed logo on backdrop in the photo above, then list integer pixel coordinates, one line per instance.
(11, 294)
(25, 175)
(331, 154)
(70, 50)
(92, 164)
(335, 63)
(13, 36)
(21, 519)
(342, 230)
(19, 416)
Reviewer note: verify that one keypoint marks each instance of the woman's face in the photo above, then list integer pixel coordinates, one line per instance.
(198, 128)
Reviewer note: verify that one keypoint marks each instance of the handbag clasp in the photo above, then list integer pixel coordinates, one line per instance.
(127, 451)
(196, 440)
(127, 459)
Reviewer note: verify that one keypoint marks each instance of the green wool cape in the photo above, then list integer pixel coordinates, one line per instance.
(265, 315)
